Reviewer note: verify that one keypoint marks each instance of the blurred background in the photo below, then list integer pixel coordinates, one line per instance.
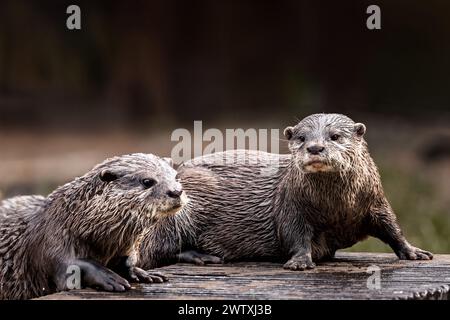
(137, 70)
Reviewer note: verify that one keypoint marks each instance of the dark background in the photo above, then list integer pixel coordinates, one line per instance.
(140, 69)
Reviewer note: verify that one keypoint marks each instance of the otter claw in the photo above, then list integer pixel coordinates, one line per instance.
(157, 277)
(198, 258)
(140, 275)
(107, 281)
(413, 253)
(299, 264)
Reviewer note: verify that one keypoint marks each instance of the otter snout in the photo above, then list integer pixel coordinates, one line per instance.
(315, 158)
(176, 193)
(315, 149)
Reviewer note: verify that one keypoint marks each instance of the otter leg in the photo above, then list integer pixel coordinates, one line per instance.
(384, 226)
(92, 274)
(299, 247)
(195, 257)
(295, 236)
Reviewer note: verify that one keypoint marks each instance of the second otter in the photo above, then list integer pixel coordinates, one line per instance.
(93, 224)
(300, 208)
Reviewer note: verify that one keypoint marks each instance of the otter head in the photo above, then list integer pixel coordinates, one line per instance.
(139, 185)
(105, 213)
(115, 202)
(325, 142)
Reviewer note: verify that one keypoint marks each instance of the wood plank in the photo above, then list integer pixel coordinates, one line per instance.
(343, 278)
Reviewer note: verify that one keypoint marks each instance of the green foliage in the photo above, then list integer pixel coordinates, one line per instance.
(422, 215)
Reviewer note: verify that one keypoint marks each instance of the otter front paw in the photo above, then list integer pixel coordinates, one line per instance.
(413, 253)
(136, 274)
(299, 263)
(198, 258)
(104, 279)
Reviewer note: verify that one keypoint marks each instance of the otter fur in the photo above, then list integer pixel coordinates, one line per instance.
(298, 208)
(93, 224)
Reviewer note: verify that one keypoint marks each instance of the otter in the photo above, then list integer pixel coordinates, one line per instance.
(92, 225)
(21, 205)
(298, 208)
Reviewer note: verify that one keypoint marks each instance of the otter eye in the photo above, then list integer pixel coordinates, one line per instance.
(148, 183)
(334, 137)
(301, 138)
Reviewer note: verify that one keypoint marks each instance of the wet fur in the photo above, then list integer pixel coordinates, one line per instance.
(268, 206)
(88, 218)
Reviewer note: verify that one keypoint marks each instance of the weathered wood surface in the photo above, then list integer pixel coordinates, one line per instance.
(343, 278)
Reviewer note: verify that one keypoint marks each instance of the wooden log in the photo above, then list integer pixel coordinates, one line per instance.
(345, 277)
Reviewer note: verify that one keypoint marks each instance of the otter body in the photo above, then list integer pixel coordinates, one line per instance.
(326, 195)
(85, 229)
(21, 205)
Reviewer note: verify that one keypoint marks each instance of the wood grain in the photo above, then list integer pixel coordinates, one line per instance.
(343, 278)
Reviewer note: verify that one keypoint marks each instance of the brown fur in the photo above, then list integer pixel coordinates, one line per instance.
(92, 222)
(300, 207)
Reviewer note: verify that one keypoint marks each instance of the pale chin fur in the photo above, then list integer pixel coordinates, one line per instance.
(318, 167)
(314, 167)
(172, 210)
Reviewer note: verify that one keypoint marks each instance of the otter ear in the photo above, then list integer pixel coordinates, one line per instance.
(360, 129)
(108, 176)
(169, 161)
(288, 132)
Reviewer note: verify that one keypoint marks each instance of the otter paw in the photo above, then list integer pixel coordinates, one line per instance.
(413, 253)
(106, 280)
(198, 258)
(299, 264)
(140, 275)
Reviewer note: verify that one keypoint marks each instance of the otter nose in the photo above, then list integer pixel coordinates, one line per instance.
(175, 193)
(316, 149)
